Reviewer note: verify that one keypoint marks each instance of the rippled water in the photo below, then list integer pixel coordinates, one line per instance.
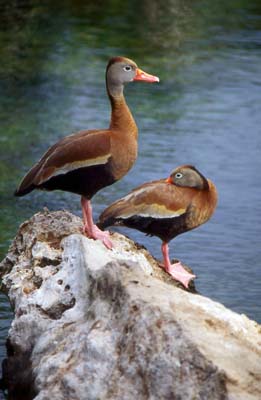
(205, 111)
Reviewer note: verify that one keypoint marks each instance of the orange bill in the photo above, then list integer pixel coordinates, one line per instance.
(144, 76)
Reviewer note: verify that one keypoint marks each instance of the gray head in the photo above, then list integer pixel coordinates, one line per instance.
(122, 70)
(188, 176)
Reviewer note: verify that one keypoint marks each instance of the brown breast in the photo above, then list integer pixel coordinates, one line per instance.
(202, 207)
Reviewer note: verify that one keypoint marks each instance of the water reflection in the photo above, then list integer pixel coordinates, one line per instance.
(205, 111)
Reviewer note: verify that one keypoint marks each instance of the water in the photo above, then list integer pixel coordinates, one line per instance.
(205, 111)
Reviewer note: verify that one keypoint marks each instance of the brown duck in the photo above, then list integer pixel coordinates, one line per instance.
(87, 161)
(166, 208)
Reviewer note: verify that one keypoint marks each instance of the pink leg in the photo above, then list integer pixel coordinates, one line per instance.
(176, 270)
(91, 230)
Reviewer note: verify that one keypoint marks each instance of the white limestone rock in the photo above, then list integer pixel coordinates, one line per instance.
(92, 324)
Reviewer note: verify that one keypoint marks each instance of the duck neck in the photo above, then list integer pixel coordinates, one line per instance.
(121, 117)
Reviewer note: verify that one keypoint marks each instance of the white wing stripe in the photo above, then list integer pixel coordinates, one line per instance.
(80, 164)
(170, 214)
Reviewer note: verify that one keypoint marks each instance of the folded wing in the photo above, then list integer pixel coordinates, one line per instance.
(156, 199)
(83, 149)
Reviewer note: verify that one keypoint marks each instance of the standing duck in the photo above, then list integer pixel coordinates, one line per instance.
(166, 208)
(89, 160)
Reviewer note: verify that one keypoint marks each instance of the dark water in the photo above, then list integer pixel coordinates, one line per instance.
(206, 111)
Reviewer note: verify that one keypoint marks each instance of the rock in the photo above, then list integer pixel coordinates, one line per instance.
(92, 324)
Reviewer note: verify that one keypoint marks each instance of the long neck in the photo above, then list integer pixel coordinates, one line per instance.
(121, 117)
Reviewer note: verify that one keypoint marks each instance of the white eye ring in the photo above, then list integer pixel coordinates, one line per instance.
(179, 175)
(127, 68)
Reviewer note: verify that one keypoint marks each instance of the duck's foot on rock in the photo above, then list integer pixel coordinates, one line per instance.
(178, 272)
(96, 234)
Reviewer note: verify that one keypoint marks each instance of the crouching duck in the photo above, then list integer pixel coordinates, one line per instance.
(89, 160)
(166, 208)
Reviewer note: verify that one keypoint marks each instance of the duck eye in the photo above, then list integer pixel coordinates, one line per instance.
(127, 68)
(179, 175)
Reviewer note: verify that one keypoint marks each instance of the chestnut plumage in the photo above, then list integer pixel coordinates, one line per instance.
(166, 208)
(86, 161)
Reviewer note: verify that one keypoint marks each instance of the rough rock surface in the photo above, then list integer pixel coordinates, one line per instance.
(95, 324)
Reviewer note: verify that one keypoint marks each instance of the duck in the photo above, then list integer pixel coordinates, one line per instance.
(166, 208)
(89, 160)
